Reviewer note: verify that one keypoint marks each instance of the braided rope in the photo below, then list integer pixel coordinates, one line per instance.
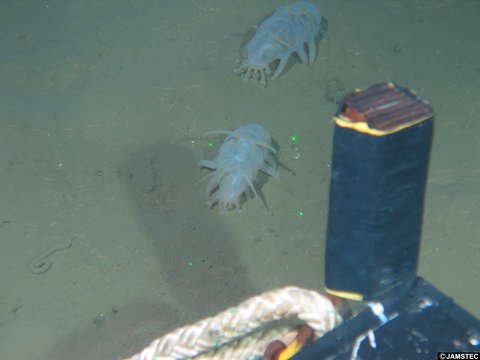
(234, 323)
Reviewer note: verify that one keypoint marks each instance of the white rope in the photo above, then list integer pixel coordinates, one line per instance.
(234, 323)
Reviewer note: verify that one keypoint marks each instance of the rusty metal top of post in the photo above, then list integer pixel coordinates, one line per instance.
(383, 109)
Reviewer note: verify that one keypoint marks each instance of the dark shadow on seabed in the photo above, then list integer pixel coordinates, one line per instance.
(196, 260)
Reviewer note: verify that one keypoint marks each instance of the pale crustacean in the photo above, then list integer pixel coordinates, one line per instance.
(292, 28)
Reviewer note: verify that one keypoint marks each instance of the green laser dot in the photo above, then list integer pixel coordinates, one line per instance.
(300, 213)
(189, 263)
(210, 144)
(293, 139)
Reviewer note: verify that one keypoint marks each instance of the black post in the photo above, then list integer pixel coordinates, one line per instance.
(380, 159)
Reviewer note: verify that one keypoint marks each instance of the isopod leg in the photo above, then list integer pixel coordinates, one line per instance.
(207, 164)
(250, 184)
(263, 78)
(213, 182)
(280, 67)
(312, 50)
(264, 145)
(302, 54)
